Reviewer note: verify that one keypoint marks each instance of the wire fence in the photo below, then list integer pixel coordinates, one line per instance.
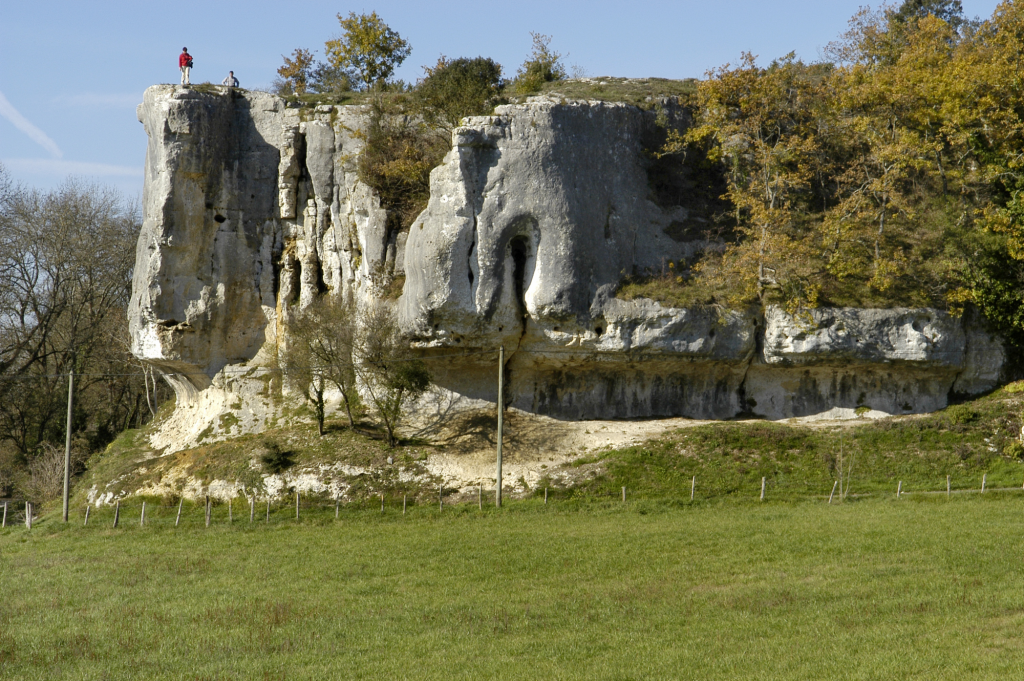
(318, 508)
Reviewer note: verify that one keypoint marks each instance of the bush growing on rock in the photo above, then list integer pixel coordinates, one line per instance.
(542, 66)
(456, 88)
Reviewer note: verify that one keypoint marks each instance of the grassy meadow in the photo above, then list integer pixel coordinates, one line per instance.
(921, 587)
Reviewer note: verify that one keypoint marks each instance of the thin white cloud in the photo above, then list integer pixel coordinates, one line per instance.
(96, 100)
(8, 111)
(48, 166)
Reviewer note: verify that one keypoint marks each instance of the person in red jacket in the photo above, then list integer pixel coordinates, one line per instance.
(185, 64)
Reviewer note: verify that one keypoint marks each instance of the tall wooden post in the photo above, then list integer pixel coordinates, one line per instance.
(67, 445)
(501, 420)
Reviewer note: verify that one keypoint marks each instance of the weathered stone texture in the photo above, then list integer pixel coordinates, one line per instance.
(252, 208)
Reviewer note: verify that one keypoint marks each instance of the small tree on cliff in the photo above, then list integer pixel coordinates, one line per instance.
(296, 72)
(456, 88)
(543, 66)
(319, 354)
(369, 47)
(388, 371)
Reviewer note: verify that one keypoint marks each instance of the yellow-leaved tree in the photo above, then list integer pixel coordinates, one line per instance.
(369, 48)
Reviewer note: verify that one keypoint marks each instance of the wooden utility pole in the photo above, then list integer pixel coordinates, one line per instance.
(67, 445)
(501, 420)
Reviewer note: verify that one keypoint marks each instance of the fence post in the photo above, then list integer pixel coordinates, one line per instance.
(947, 486)
(4, 524)
(67, 446)
(899, 489)
(833, 491)
(983, 477)
(545, 496)
(252, 508)
(480, 497)
(381, 503)
(404, 497)
(208, 509)
(87, 508)
(623, 495)
(178, 518)
(693, 487)
(117, 511)
(337, 505)
(28, 514)
(501, 421)
(142, 518)
(762, 488)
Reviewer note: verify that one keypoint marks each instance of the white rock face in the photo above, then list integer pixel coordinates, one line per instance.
(248, 211)
(252, 208)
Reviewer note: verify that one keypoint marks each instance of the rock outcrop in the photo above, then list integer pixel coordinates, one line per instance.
(252, 208)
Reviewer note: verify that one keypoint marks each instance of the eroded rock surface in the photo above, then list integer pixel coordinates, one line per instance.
(252, 208)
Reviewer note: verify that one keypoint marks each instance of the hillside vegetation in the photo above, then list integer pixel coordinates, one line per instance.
(887, 175)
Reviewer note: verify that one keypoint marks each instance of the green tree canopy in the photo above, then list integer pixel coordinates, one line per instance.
(368, 47)
(456, 88)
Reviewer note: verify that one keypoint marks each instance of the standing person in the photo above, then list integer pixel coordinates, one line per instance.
(230, 81)
(185, 64)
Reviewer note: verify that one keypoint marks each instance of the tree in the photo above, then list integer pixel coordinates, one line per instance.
(66, 259)
(542, 66)
(369, 47)
(389, 373)
(762, 122)
(950, 11)
(456, 88)
(297, 72)
(319, 353)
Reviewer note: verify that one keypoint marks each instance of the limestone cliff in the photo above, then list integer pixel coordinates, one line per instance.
(252, 208)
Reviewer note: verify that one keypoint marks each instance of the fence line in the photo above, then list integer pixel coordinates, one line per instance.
(208, 512)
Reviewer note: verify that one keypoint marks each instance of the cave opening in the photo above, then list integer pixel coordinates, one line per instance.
(520, 248)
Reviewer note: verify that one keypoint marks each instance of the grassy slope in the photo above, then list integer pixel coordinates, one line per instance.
(871, 589)
(965, 441)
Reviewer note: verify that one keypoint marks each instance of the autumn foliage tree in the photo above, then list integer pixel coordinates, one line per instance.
(889, 175)
(368, 47)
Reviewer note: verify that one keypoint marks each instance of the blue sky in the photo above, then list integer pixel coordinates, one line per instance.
(74, 71)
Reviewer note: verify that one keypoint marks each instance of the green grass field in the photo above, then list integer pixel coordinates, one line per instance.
(922, 587)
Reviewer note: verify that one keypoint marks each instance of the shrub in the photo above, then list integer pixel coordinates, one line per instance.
(397, 158)
(276, 460)
(457, 88)
(1014, 449)
(543, 66)
(961, 414)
